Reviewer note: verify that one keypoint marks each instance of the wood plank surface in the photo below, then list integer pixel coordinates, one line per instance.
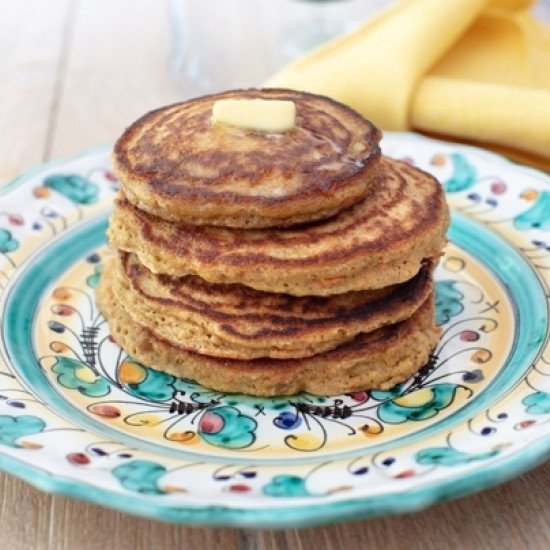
(31, 40)
(73, 74)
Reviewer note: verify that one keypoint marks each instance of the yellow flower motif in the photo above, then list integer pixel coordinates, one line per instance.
(147, 420)
(59, 347)
(85, 374)
(185, 438)
(61, 294)
(305, 442)
(174, 489)
(131, 373)
(416, 398)
(529, 195)
(371, 429)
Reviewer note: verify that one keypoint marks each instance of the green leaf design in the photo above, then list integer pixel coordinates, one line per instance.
(7, 242)
(14, 427)
(537, 217)
(446, 456)
(463, 176)
(76, 375)
(448, 301)
(418, 405)
(283, 486)
(93, 280)
(154, 386)
(383, 395)
(140, 476)
(227, 427)
(537, 403)
(73, 186)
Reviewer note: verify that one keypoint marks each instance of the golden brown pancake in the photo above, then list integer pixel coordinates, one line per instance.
(238, 322)
(378, 359)
(175, 164)
(380, 241)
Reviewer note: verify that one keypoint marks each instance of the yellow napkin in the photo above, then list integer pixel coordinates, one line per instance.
(476, 70)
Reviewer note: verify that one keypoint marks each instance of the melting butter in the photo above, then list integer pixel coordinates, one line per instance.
(260, 115)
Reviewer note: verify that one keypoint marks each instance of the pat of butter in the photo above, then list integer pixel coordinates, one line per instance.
(262, 115)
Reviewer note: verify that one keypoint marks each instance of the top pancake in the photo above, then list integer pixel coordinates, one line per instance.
(379, 242)
(175, 164)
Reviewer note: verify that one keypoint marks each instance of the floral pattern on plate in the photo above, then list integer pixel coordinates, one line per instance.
(77, 415)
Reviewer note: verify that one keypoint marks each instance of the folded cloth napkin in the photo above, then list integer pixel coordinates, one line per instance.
(476, 70)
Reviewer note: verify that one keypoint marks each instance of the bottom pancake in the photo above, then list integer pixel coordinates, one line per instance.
(377, 360)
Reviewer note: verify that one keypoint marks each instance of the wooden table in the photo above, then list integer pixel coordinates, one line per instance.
(72, 75)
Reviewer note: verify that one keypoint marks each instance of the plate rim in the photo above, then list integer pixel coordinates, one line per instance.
(298, 516)
(478, 478)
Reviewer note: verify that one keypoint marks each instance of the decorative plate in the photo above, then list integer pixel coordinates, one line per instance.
(79, 417)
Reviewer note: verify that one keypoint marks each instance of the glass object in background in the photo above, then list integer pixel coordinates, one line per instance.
(321, 21)
(541, 10)
(208, 52)
(218, 45)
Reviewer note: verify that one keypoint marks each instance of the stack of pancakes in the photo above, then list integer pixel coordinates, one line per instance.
(272, 263)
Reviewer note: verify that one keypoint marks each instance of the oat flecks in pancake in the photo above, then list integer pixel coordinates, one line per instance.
(380, 241)
(238, 322)
(175, 164)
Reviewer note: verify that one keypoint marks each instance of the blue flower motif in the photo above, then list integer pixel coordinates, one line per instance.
(473, 376)
(448, 301)
(287, 420)
(286, 486)
(227, 427)
(74, 187)
(464, 174)
(140, 476)
(75, 375)
(447, 456)
(14, 427)
(418, 405)
(537, 217)
(7, 242)
(537, 403)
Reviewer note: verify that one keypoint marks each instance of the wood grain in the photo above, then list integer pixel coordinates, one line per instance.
(72, 75)
(115, 70)
(30, 49)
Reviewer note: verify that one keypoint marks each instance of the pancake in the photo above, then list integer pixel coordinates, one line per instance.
(380, 241)
(234, 321)
(376, 360)
(175, 164)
